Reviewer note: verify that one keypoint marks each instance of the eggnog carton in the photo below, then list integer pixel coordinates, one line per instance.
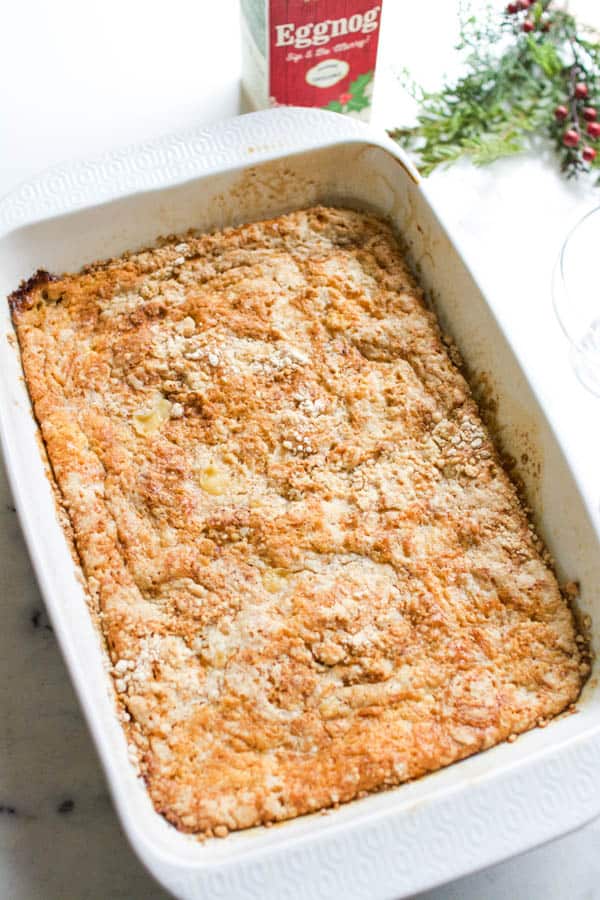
(310, 53)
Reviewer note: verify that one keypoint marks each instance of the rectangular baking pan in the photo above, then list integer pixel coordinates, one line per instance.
(392, 844)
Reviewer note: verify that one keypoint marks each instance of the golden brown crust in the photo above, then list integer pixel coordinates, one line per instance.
(24, 295)
(313, 575)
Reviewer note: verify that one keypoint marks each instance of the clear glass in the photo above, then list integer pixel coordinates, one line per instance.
(576, 296)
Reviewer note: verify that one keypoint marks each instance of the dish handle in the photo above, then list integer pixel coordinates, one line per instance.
(233, 143)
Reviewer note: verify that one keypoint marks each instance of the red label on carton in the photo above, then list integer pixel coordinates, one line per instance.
(310, 53)
(322, 53)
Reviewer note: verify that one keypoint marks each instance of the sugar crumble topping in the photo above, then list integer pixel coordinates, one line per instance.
(313, 575)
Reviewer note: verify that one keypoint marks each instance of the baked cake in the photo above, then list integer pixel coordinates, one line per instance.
(312, 573)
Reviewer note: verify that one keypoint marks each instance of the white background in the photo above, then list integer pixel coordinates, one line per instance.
(79, 78)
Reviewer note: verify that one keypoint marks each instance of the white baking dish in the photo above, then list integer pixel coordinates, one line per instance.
(447, 824)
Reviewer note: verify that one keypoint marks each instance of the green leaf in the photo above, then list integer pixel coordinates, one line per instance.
(360, 83)
(493, 147)
(334, 106)
(511, 83)
(545, 56)
(357, 102)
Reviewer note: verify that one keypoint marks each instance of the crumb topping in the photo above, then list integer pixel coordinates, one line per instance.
(314, 577)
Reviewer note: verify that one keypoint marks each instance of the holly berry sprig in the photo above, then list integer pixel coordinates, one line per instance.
(576, 125)
(531, 70)
(528, 24)
(575, 118)
(355, 98)
(582, 121)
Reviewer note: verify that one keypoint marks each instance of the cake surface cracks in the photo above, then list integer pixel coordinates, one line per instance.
(312, 573)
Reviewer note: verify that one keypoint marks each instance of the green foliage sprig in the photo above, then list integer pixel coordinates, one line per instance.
(530, 71)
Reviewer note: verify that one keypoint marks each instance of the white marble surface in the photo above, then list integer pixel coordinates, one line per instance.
(81, 78)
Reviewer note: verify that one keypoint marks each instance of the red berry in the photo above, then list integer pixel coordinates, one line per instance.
(528, 25)
(561, 113)
(593, 130)
(589, 154)
(581, 90)
(345, 98)
(589, 113)
(571, 138)
(512, 8)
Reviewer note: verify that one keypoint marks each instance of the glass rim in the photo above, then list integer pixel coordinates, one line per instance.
(560, 268)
